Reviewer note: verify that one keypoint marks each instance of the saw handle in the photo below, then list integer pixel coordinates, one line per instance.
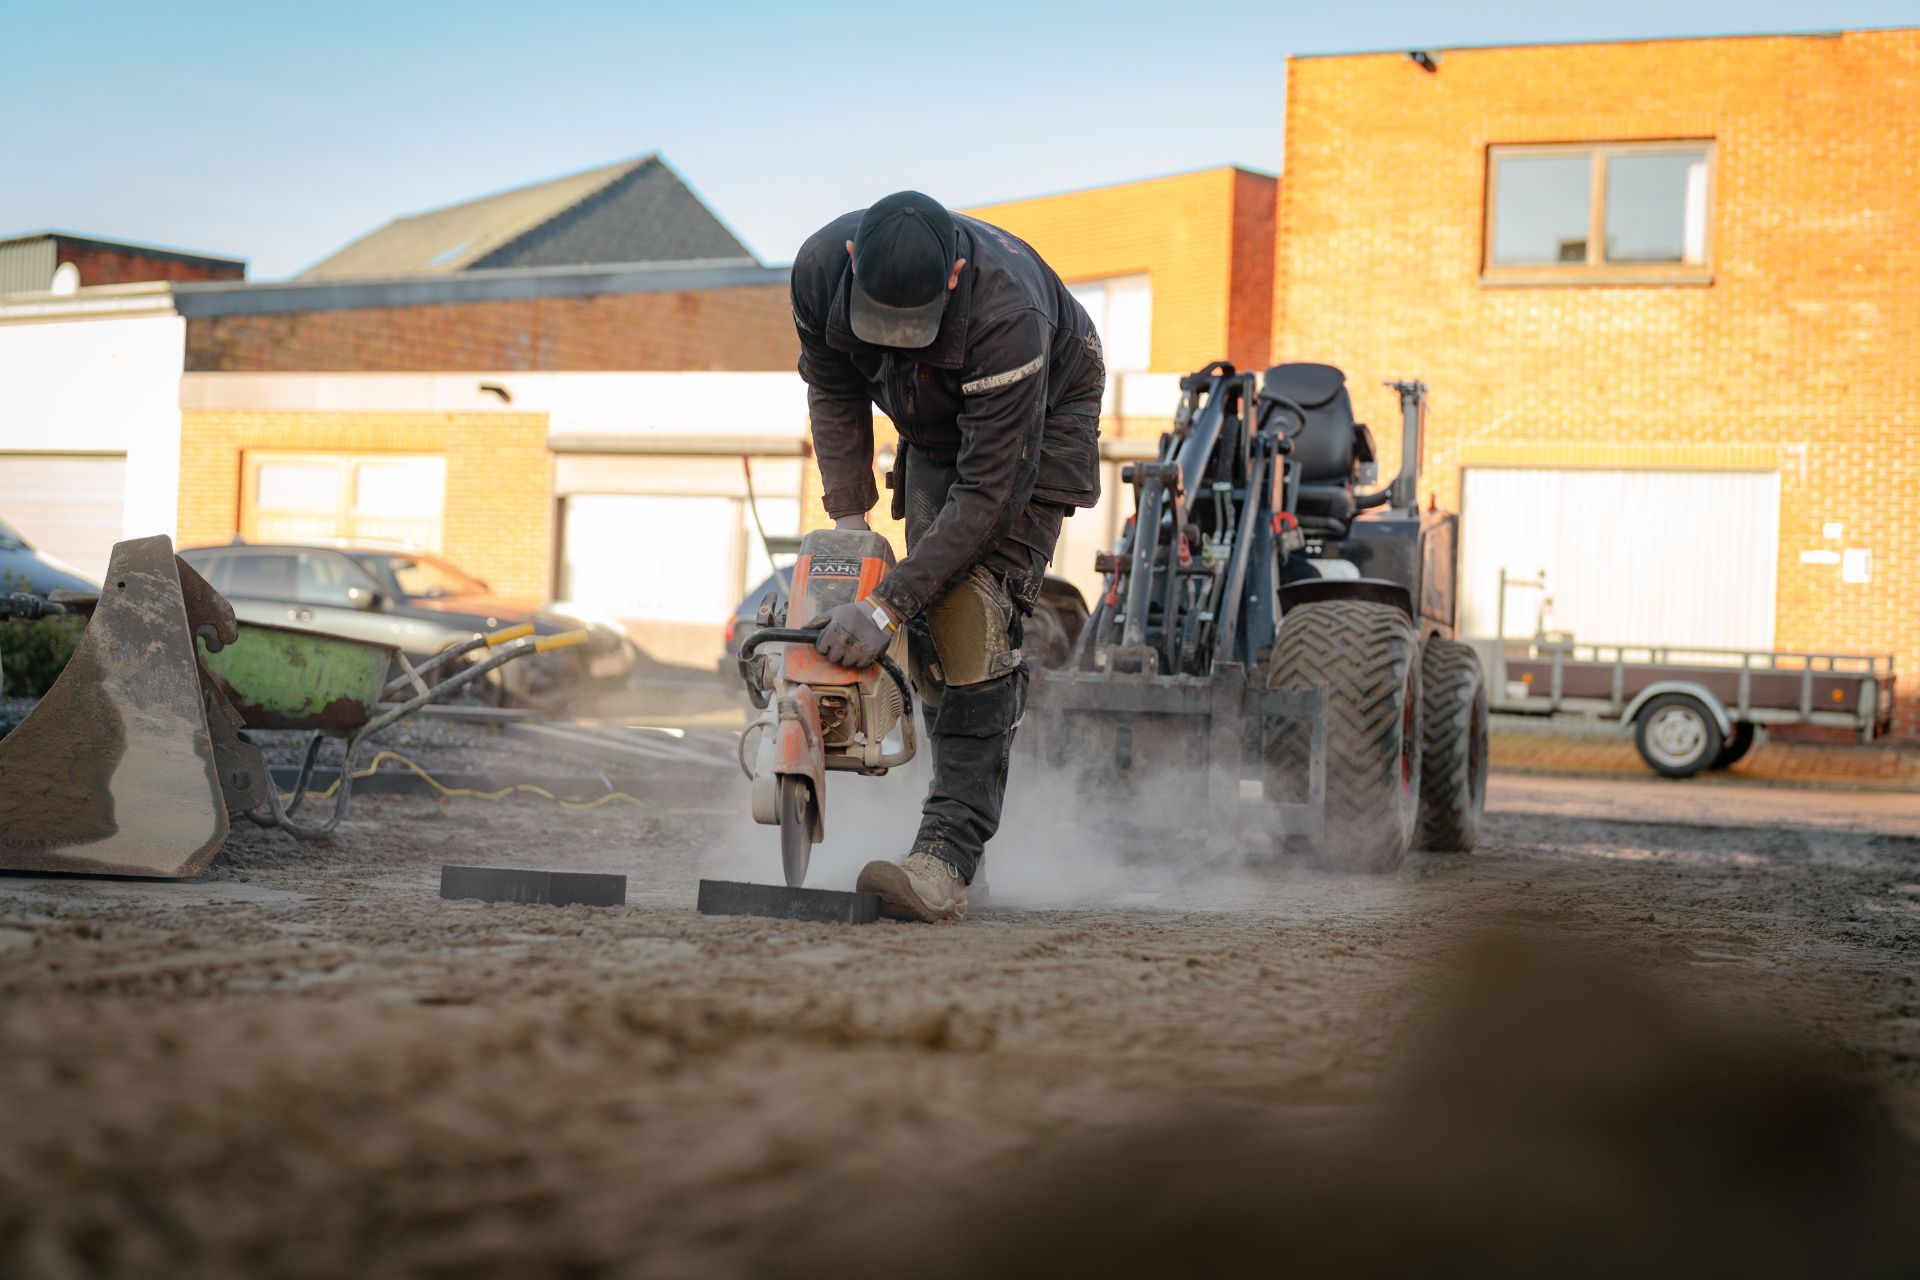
(807, 635)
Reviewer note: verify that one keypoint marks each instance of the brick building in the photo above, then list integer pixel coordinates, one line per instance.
(479, 379)
(1178, 271)
(1662, 291)
(513, 419)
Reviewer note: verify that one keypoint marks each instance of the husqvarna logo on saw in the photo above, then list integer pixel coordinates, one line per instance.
(834, 567)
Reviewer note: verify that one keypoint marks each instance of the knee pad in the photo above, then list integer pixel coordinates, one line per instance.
(973, 632)
(984, 710)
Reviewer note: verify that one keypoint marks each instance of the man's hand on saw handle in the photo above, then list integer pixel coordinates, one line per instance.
(857, 633)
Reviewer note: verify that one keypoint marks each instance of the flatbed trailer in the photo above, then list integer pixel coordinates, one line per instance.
(1691, 708)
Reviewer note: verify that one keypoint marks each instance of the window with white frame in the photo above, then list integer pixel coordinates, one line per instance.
(1122, 311)
(1599, 213)
(366, 497)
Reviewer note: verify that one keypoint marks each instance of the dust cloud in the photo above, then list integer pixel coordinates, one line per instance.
(1075, 831)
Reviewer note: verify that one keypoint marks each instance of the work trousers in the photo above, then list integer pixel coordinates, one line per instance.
(967, 668)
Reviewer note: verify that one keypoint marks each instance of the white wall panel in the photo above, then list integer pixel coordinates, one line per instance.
(1636, 557)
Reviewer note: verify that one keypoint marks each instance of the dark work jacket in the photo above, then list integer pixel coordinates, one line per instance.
(1009, 393)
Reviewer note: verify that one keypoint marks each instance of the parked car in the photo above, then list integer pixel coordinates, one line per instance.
(416, 601)
(741, 624)
(24, 569)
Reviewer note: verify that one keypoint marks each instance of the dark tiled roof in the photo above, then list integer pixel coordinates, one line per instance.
(634, 211)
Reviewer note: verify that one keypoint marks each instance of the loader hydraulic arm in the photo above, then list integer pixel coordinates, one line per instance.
(1192, 570)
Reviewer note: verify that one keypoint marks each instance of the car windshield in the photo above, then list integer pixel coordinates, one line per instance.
(11, 540)
(422, 578)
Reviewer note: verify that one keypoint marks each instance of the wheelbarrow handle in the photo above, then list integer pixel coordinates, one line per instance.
(808, 635)
(282, 813)
(491, 640)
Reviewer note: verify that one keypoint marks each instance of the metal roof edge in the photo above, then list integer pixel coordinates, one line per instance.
(148, 297)
(1824, 33)
(232, 298)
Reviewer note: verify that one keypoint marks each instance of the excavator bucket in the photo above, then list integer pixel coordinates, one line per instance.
(133, 761)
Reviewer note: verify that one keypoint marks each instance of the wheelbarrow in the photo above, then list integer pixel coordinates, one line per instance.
(284, 678)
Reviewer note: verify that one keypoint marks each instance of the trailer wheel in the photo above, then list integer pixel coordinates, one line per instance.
(1453, 747)
(1677, 735)
(1736, 747)
(1365, 661)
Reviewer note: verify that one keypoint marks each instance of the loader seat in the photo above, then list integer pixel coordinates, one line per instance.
(1327, 447)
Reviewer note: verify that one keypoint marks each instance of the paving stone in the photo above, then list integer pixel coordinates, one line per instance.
(524, 884)
(827, 906)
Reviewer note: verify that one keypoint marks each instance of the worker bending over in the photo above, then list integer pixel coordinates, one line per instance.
(992, 374)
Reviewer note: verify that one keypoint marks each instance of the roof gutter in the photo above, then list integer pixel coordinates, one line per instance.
(232, 298)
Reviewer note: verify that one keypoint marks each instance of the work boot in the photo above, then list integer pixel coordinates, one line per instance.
(923, 888)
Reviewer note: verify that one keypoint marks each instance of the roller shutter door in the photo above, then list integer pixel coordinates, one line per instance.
(69, 506)
(1634, 557)
(668, 545)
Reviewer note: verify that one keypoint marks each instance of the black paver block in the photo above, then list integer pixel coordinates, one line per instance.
(827, 906)
(524, 884)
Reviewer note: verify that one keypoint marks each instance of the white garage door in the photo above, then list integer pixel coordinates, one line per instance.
(657, 559)
(668, 543)
(69, 506)
(1633, 557)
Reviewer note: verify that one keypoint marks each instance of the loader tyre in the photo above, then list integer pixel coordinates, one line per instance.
(1365, 660)
(1453, 746)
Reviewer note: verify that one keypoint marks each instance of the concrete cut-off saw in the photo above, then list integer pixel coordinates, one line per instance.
(817, 717)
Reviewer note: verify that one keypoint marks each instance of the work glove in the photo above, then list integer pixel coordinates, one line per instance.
(856, 634)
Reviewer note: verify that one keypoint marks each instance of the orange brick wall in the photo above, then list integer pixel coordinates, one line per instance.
(1205, 239)
(742, 329)
(498, 520)
(1796, 355)
(102, 264)
(1250, 291)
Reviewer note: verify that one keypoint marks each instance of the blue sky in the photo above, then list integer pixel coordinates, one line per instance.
(279, 131)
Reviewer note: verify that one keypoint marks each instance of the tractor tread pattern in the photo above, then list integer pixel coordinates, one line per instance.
(1451, 683)
(1363, 658)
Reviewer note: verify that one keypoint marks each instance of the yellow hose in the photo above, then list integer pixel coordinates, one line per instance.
(507, 634)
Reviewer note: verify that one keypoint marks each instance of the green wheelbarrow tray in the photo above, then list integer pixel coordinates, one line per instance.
(285, 678)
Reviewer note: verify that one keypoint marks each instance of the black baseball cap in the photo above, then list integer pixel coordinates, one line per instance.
(902, 256)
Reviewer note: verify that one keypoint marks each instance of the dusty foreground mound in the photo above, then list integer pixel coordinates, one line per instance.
(1593, 1048)
(1555, 1116)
